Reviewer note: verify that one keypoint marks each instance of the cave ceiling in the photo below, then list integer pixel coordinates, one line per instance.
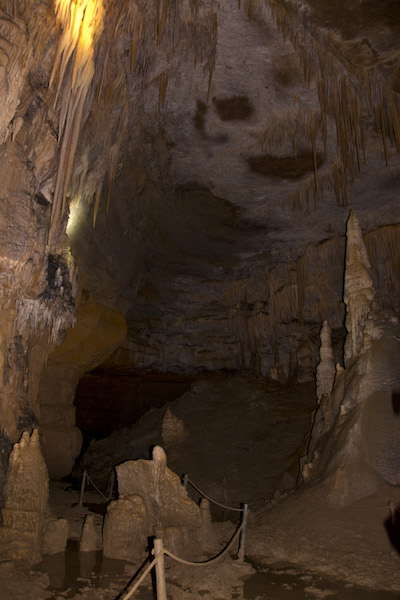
(225, 141)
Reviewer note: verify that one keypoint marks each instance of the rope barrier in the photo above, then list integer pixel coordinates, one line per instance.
(96, 488)
(210, 560)
(86, 478)
(386, 506)
(160, 551)
(211, 499)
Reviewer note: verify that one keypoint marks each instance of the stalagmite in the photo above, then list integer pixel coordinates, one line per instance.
(172, 429)
(126, 528)
(26, 494)
(168, 510)
(208, 537)
(326, 369)
(88, 541)
(359, 290)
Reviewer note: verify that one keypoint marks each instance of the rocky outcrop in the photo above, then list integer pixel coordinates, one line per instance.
(353, 445)
(98, 331)
(172, 429)
(152, 502)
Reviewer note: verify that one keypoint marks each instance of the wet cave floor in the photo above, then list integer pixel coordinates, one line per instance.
(241, 446)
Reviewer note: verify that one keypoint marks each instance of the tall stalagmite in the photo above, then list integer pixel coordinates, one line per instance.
(359, 290)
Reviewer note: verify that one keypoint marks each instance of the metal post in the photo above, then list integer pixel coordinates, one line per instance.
(111, 481)
(243, 533)
(160, 574)
(83, 484)
(185, 480)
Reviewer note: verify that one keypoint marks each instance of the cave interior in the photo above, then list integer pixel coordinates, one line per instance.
(200, 250)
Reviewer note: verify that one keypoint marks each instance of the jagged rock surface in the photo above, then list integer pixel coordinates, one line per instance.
(152, 502)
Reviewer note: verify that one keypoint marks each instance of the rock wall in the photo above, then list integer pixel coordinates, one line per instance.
(97, 332)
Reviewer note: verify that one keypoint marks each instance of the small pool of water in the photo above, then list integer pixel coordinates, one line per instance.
(283, 583)
(72, 572)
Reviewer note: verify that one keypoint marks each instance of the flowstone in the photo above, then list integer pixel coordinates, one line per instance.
(152, 502)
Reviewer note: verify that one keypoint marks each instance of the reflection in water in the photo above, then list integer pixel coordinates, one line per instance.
(71, 570)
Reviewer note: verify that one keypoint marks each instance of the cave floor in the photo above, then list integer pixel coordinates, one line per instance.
(241, 447)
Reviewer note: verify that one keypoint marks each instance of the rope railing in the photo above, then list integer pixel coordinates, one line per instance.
(186, 480)
(159, 551)
(87, 479)
(158, 562)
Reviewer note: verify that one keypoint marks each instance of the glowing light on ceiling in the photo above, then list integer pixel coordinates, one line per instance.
(82, 23)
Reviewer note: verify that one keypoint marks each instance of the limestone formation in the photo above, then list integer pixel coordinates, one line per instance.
(326, 369)
(88, 541)
(126, 528)
(152, 502)
(172, 429)
(26, 494)
(95, 336)
(354, 437)
(208, 538)
(166, 500)
(359, 290)
(56, 535)
(305, 366)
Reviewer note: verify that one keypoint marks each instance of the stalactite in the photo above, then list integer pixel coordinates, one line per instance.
(349, 99)
(301, 287)
(97, 202)
(383, 247)
(81, 21)
(162, 89)
(314, 153)
(250, 9)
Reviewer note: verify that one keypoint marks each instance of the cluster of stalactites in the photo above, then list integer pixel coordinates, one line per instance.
(81, 22)
(349, 96)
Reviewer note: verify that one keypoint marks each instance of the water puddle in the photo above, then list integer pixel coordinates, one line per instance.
(72, 572)
(288, 584)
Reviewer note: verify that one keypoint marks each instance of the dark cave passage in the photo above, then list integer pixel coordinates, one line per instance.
(110, 398)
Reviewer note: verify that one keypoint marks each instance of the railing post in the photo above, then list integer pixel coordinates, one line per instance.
(160, 574)
(111, 481)
(83, 484)
(243, 533)
(185, 480)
